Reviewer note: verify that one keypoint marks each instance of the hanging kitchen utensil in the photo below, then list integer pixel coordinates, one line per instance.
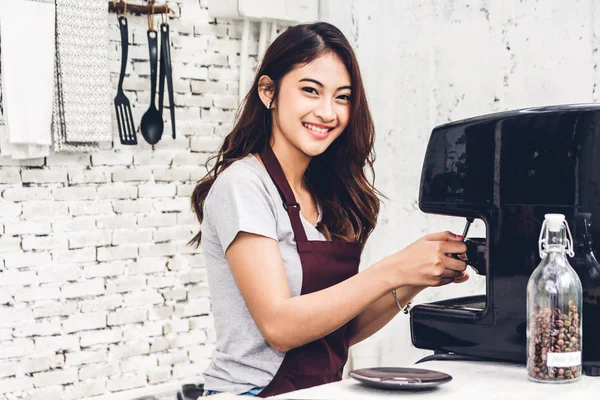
(166, 72)
(127, 133)
(152, 124)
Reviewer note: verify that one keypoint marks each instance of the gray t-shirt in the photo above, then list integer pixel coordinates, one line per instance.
(244, 198)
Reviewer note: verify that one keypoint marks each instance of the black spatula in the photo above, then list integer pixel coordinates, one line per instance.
(127, 133)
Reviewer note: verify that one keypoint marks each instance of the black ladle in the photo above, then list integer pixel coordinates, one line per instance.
(152, 124)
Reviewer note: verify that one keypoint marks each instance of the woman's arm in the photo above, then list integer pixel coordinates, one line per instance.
(288, 322)
(384, 310)
(380, 313)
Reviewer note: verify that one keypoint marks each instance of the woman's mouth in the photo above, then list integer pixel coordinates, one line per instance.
(320, 133)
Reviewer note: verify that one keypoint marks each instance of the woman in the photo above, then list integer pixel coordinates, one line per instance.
(285, 213)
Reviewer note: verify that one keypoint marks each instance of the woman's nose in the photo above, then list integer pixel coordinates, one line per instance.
(325, 111)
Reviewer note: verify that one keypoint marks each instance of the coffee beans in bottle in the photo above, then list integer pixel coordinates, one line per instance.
(554, 303)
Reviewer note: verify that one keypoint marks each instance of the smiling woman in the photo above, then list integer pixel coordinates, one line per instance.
(307, 102)
(285, 213)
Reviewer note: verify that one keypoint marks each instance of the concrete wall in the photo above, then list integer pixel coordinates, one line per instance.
(428, 62)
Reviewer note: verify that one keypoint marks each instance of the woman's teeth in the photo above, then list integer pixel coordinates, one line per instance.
(316, 129)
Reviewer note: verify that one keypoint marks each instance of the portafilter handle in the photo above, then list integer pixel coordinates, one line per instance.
(475, 255)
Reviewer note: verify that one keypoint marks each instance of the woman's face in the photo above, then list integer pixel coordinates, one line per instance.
(313, 105)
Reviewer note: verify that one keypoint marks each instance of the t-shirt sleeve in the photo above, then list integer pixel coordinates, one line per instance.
(240, 202)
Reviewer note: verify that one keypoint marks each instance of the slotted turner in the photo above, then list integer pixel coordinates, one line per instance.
(127, 132)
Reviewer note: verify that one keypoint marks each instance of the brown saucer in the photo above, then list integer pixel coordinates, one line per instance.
(400, 378)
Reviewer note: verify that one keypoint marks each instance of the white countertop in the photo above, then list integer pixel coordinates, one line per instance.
(495, 381)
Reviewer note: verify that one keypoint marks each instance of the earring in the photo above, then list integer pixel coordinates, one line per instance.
(269, 104)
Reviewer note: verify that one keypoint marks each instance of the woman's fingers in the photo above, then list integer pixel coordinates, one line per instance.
(453, 247)
(444, 281)
(451, 276)
(443, 236)
(463, 278)
(454, 264)
(450, 273)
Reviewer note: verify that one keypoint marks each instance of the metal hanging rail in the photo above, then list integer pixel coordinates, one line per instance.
(122, 6)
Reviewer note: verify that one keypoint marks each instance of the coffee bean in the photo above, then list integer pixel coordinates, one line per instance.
(553, 331)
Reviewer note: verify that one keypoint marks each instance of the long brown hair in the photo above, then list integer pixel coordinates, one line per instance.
(349, 202)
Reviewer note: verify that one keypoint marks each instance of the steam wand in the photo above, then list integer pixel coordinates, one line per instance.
(467, 226)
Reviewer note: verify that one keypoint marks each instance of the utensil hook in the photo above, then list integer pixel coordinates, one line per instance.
(119, 13)
(151, 19)
(162, 16)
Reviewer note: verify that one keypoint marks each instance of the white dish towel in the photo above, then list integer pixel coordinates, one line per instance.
(27, 37)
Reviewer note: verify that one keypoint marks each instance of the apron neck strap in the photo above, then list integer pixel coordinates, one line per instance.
(289, 200)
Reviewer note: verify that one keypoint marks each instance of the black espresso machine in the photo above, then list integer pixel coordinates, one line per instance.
(509, 169)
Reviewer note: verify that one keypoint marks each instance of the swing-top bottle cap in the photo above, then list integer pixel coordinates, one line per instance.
(554, 222)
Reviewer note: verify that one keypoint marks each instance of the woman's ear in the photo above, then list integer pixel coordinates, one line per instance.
(266, 91)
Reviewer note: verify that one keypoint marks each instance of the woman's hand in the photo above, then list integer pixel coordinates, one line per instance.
(463, 278)
(428, 261)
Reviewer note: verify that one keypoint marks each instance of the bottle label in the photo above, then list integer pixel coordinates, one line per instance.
(563, 359)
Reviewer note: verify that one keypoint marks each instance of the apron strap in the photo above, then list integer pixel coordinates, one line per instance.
(289, 200)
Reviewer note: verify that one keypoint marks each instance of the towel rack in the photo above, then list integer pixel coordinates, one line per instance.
(138, 9)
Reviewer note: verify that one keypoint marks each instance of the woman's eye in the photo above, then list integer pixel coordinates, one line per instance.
(344, 97)
(309, 89)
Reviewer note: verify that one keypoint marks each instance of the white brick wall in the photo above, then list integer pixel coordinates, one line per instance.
(98, 291)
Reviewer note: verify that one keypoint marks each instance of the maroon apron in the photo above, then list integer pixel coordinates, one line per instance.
(324, 263)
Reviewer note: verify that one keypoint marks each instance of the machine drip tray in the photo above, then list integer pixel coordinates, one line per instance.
(477, 306)
(469, 303)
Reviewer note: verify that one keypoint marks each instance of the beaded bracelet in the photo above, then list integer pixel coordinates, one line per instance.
(404, 309)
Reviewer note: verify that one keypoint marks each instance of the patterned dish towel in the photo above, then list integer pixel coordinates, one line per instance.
(82, 103)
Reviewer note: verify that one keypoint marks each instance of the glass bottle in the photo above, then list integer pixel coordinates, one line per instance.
(554, 301)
